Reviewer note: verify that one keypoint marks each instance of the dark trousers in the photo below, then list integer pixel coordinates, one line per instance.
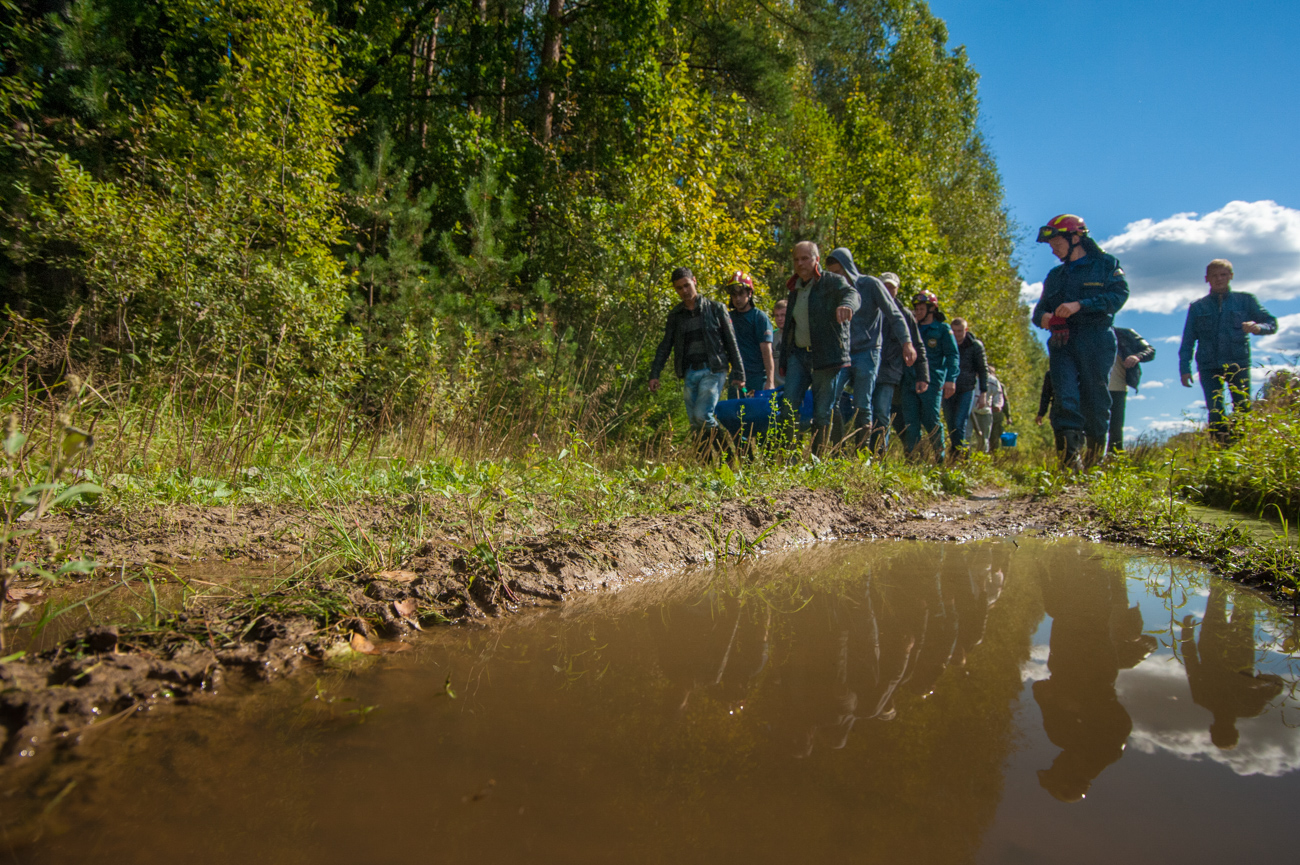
(1080, 372)
(1118, 400)
(1237, 380)
(956, 413)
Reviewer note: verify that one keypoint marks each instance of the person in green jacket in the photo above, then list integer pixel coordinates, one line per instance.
(815, 341)
(921, 410)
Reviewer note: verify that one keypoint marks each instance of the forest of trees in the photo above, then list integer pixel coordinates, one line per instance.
(398, 208)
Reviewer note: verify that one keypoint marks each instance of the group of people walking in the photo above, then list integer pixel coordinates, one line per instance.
(876, 365)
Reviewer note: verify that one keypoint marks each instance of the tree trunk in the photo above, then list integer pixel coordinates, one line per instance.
(550, 69)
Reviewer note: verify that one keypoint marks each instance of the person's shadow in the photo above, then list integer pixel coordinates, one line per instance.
(1221, 667)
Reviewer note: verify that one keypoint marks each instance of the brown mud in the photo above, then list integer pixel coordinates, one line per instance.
(309, 617)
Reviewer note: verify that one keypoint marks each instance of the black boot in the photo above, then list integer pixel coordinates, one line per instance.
(1093, 452)
(1072, 457)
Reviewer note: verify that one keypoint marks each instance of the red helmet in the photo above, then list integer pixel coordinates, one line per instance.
(740, 278)
(1066, 223)
(926, 297)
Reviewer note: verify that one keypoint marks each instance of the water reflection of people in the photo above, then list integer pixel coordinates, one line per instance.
(811, 691)
(1094, 634)
(1221, 668)
(695, 642)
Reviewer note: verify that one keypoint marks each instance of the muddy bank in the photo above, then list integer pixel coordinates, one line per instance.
(315, 615)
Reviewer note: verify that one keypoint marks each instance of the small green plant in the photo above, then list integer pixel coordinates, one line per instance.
(31, 489)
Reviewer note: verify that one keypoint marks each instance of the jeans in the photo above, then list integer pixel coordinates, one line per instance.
(701, 389)
(956, 411)
(921, 412)
(862, 374)
(799, 376)
(1080, 372)
(882, 410)
(1118, 400)
(1212, 381)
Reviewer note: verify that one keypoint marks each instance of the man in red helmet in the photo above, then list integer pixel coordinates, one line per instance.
(753, 336)
(1080, 298)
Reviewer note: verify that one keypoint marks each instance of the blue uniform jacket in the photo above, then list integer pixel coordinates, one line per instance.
(1096, 282)
(1213, 327)
(942, 353)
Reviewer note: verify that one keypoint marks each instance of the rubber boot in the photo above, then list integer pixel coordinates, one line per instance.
(1072, 457)
(1093, 452)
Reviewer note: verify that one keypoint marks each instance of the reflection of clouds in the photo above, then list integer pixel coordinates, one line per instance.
(1035, 669)
(1159, 700)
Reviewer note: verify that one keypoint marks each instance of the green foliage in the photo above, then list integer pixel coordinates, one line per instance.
(522, 178)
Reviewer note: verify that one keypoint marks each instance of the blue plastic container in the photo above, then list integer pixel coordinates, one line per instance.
(756, 412)
(1008, 439)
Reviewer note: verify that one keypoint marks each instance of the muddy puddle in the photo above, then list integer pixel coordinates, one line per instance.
(1027, 701)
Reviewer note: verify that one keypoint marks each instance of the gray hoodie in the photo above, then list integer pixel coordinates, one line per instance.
(878, 312)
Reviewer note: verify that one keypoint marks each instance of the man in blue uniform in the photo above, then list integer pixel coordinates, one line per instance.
(1218, 327)
(1080, 298)
(921, 406)
(753, 336)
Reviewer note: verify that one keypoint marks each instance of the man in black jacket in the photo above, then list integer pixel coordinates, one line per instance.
(892, 363)
(974, 367)
(1124, 374)
(699, 335)
(816, 340)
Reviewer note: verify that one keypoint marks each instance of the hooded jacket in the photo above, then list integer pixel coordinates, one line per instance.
(878, 313)
(1213, 328)
(829, 340)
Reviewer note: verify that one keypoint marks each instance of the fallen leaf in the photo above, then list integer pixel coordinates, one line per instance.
(397, 576)
(392, 648)
(405, 608)
(362, 645)
(17, 593)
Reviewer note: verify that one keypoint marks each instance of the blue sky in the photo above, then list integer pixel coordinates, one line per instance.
(1172, 128)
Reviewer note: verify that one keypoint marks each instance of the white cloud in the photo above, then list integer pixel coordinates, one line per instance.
(1287, 338)
(1153, 384)
(1165, 260)
(1172, 340)
(1135, 396)
(1170, 427)
(1195, 405)
(1029, 293)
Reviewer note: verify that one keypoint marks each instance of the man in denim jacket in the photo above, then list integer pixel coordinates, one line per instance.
(1218, 327)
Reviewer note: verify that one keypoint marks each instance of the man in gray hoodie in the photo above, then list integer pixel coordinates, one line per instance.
(894, 358)
(878, 318)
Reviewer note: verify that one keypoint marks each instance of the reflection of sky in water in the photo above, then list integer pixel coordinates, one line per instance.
(1156, 692)
(1166, 720)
